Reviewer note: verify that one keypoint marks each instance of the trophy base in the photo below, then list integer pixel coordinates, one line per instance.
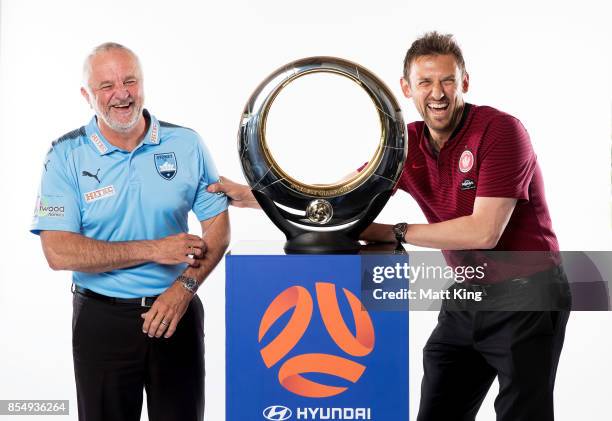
(322, 243)
(302, 241)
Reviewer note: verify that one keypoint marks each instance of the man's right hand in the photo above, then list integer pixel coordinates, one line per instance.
(179, 248)
(240, 195)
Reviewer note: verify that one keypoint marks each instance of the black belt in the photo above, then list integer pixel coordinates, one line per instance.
(143, 301)
(553, 275)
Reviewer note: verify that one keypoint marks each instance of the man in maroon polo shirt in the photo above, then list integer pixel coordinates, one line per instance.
(474, 173)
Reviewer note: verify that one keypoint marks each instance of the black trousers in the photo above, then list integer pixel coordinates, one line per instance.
(469, 348)
(114, 360)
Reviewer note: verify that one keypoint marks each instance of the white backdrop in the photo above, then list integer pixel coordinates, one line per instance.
(547, 63)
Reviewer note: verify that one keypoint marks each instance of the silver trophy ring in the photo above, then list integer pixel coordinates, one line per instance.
(346, 207)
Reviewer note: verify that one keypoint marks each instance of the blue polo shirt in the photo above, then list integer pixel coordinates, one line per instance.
(93, 188)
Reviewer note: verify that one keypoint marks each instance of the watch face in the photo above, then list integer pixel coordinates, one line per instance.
(190, 283)
(399, 230)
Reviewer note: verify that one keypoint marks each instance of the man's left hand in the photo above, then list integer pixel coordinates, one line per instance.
(166, 312)
(240, 195)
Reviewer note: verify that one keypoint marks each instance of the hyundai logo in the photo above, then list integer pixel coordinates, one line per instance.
(277, 413)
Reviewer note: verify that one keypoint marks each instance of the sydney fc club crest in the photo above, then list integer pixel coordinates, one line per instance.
(165, 164)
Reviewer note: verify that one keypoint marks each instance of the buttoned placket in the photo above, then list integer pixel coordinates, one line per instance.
(134, 179)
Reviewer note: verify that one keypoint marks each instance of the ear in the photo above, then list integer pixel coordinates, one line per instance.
(465, 83)
(85, 95)
(406, 88)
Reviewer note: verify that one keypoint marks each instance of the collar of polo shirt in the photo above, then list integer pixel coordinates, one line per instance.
(104, 147)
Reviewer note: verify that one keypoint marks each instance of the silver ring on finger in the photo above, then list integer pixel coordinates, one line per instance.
(165, 323)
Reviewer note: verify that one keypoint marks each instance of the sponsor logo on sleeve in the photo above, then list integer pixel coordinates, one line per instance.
(99, 194)
(45, 209)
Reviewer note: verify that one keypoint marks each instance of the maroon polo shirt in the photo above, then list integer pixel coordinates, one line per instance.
(488, 155)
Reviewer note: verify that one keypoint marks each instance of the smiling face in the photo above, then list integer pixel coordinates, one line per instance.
(115, 90)
(436, 84)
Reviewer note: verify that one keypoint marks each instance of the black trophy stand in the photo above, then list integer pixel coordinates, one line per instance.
(302, 241)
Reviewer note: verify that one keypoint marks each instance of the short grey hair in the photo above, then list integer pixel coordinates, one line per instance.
(102, 48)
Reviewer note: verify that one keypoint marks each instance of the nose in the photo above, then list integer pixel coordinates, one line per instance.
(437, 92)
(122, 93)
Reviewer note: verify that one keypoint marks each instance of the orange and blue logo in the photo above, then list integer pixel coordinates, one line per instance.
(354, 346)
(303, 342)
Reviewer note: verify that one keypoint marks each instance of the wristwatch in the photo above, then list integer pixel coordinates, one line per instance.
(399, 230)
(190, 284)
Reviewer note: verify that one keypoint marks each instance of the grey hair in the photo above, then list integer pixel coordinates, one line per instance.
(102, 48)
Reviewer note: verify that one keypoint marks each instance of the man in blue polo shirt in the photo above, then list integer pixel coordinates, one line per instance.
(112, 207)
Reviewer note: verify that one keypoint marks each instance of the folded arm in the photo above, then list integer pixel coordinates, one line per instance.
(170, 306)
(70, 251)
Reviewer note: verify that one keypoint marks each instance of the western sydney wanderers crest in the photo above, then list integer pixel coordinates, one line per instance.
(165, 164)
(466, 161)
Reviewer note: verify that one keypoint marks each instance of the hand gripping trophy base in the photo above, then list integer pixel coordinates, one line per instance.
(301, 241)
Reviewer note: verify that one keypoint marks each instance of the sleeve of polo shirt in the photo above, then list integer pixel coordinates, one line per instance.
(57, 204)
(507, 160)
(206, 204)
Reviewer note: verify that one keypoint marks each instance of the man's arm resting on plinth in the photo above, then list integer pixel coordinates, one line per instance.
(480, 230)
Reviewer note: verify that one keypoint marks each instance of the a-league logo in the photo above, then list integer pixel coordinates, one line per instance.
(290, 373)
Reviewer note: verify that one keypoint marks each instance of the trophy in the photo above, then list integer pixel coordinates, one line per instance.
(322, 218)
